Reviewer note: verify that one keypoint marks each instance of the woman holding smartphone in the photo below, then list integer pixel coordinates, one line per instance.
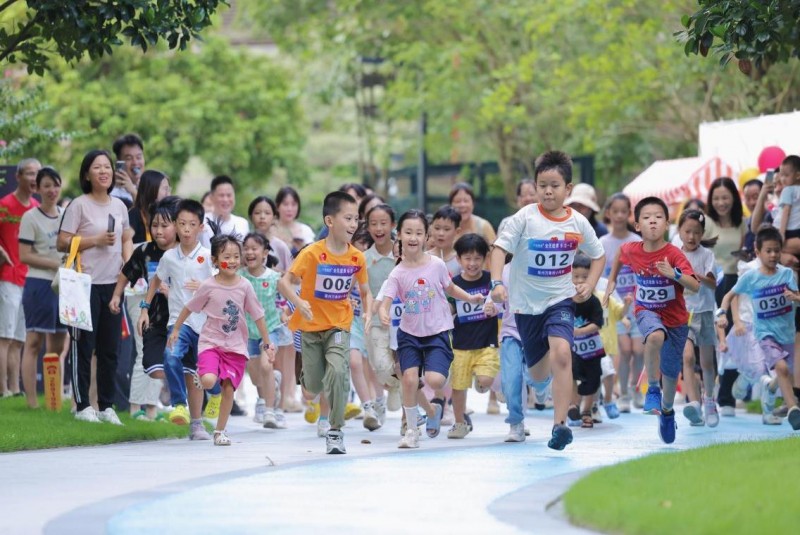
(101, 221)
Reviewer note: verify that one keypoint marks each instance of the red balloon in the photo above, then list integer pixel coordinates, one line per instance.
(770, 158)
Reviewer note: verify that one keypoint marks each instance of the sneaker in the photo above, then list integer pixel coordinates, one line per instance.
(422, 419)
(351, 411)
(516, 433)
(312, 412)
(269, 420)
(380, 410)
(293, 405)
(334, 442)
(727, 411)
(612, 411)
(767, 396)
(410, 440)
(782, 411)
(739, 388)
(140, 416)
(109, 416)
(712, 415)
(652, 402)
(468, 420)
(221, 438)
(280, 419)
(562, 437)
(667, 426)
(597, 418)
(393, 401)
(261, 411)
(323, 427)
(794, 417)
(236, 410)
(771, 419)
(459, 430)
(638, 399)
(493, 407)
(198, 432)
(278, 380)
(625, 404)
(573, 413)
(180, 415)
(694, 413)
(371, 421)
(87, 415)
(212, 407)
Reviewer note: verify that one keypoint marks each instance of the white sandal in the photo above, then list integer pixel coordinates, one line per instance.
(221, 438)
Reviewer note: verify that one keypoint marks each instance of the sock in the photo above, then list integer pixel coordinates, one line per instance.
(380, 399)
(197, 421)
(541, 386)
(653, 384)
(323, 417)
(412, 415)
(260, 401)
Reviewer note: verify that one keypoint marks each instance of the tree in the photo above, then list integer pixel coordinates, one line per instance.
(36, 31)
(235, 110)
(757, 34)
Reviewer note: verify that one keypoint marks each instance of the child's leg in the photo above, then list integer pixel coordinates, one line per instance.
(358, 376)
(410, 388)
(652, 355)
(709, 370)
(285, 361)
(637, 358)
(690, 387)
(196, 395)
(424, 404)
(559, 360)
(373, 383)
(459, 404)
(784, 376)
(511, 370)
(336, 377)
(625, 361)
(225, 405)
(267, 390)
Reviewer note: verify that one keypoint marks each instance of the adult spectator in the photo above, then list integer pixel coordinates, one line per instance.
(462, 198)
(13, 273)
(130, 150)
(262, 212)
(207, 202)
(526, 194)
(37, 250)
(106, 243)
(223, 196)
(583, 200)
(295, 233)
(153, 186)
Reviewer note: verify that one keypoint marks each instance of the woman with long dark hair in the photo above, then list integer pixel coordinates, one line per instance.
(153, 186)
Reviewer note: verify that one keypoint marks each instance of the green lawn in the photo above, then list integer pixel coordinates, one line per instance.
(727, 488)
(22, 428)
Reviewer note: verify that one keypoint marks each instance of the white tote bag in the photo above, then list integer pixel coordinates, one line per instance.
(74, 291)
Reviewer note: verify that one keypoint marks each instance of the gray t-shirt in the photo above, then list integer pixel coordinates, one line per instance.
(86, 217)
(40, 231)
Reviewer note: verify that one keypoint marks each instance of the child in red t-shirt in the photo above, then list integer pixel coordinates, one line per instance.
(662, 272)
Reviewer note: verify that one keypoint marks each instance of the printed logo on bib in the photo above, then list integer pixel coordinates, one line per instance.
(589, 346)
(356, 295)
(551, 258)
(770, 302)
(654, 293)
(334, 282)
(626, 281)
(467, 312)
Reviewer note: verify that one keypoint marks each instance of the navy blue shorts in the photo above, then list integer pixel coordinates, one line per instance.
(40, 304)
(428, 353)
(674, 341)
(557, 321)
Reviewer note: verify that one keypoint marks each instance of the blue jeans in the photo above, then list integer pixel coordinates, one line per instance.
(179, 360)
(513, 374)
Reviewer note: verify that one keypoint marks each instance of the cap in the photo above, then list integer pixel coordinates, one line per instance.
(583, 194)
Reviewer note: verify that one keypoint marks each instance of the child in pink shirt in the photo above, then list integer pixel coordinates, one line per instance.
(222, 348)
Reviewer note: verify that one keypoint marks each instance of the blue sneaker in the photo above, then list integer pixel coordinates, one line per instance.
(652, 401)
(667, 426)
(611, 410)
(562, 436)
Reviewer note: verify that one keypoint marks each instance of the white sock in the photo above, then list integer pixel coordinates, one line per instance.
(412, 415)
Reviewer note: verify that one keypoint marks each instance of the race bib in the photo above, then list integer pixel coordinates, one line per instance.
(395, 312)
(334, 282)
(654, 293)
(355, 294)
(467, 312)
(589, 346)
(626, 281)
(551, 258)
(770, 302)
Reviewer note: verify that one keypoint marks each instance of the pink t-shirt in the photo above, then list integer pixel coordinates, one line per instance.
(225, 308)
(421, 290)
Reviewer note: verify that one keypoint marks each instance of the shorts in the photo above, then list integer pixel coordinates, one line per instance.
(154, 345)
(633, 332)
(185, 349)
(556, 321)
(701, 330)
(280, 337)
(428, 353)
(587, 372)
(794, 233)
(467, 362)
(40, 304)
(357, 340)
(674, 341)
(223, 364)
(12, 315)
(607, 364)
(775, 352)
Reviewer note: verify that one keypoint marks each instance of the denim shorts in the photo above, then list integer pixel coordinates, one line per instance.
(557, 321)
(674, 341)
(279, 337)
(357, 340)
(428, 353)
(634, 330)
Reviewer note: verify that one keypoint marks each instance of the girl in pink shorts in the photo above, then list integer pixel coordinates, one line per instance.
(225, 298)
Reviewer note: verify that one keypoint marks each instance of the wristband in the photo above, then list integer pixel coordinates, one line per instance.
(266, 347)
(496, 283)
(720, 312)
(144, 305)
(678, 274)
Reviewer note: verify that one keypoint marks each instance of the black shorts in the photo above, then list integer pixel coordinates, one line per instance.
(154, 341)
(588, 373)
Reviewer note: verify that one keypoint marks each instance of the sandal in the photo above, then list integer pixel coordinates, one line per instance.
(433, 425)
(221, 438)
(586, 420)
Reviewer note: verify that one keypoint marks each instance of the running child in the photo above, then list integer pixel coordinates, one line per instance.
(422, 282)
(445, 229)
(544, 238)
(223, 345)
(325, 271)
(662, 272)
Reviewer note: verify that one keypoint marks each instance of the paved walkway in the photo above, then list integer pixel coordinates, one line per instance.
(281, 481)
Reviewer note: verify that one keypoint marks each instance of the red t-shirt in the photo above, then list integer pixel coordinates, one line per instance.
(11, 211)
(653, 291)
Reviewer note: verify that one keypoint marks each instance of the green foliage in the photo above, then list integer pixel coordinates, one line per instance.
(42, 30)
(757, 34)
(236, 111)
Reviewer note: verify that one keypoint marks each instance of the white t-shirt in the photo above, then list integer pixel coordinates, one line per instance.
(544, 248)
(790, 196)
(703, 263)
(238, 226)
(40, 231)
(175, 269)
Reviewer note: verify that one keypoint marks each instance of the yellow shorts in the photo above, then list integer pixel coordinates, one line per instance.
(467, 362)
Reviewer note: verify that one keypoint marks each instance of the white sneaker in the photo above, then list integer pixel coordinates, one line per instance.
(727, 411)
(109, 416)
(693, 412)
(624, 404)
(638, 399)
(712, 416)
(371, 421)
(410, 440)
(380, 410)
(261, 411)
(767, 396)
(280, 419)
(323, 426)
(269, 420)
(87, 415)
(771, 419)
(516, 433)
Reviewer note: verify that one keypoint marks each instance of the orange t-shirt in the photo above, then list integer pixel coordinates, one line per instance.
(326, 282)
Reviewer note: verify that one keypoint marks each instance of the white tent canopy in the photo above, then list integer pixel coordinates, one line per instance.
(677, 180)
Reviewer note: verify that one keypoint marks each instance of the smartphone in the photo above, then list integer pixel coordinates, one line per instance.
(770, 178)
(111, 223)
(120, 165)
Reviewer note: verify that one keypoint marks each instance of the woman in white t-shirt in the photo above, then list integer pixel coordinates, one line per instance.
(295, 233)
(37, 248)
